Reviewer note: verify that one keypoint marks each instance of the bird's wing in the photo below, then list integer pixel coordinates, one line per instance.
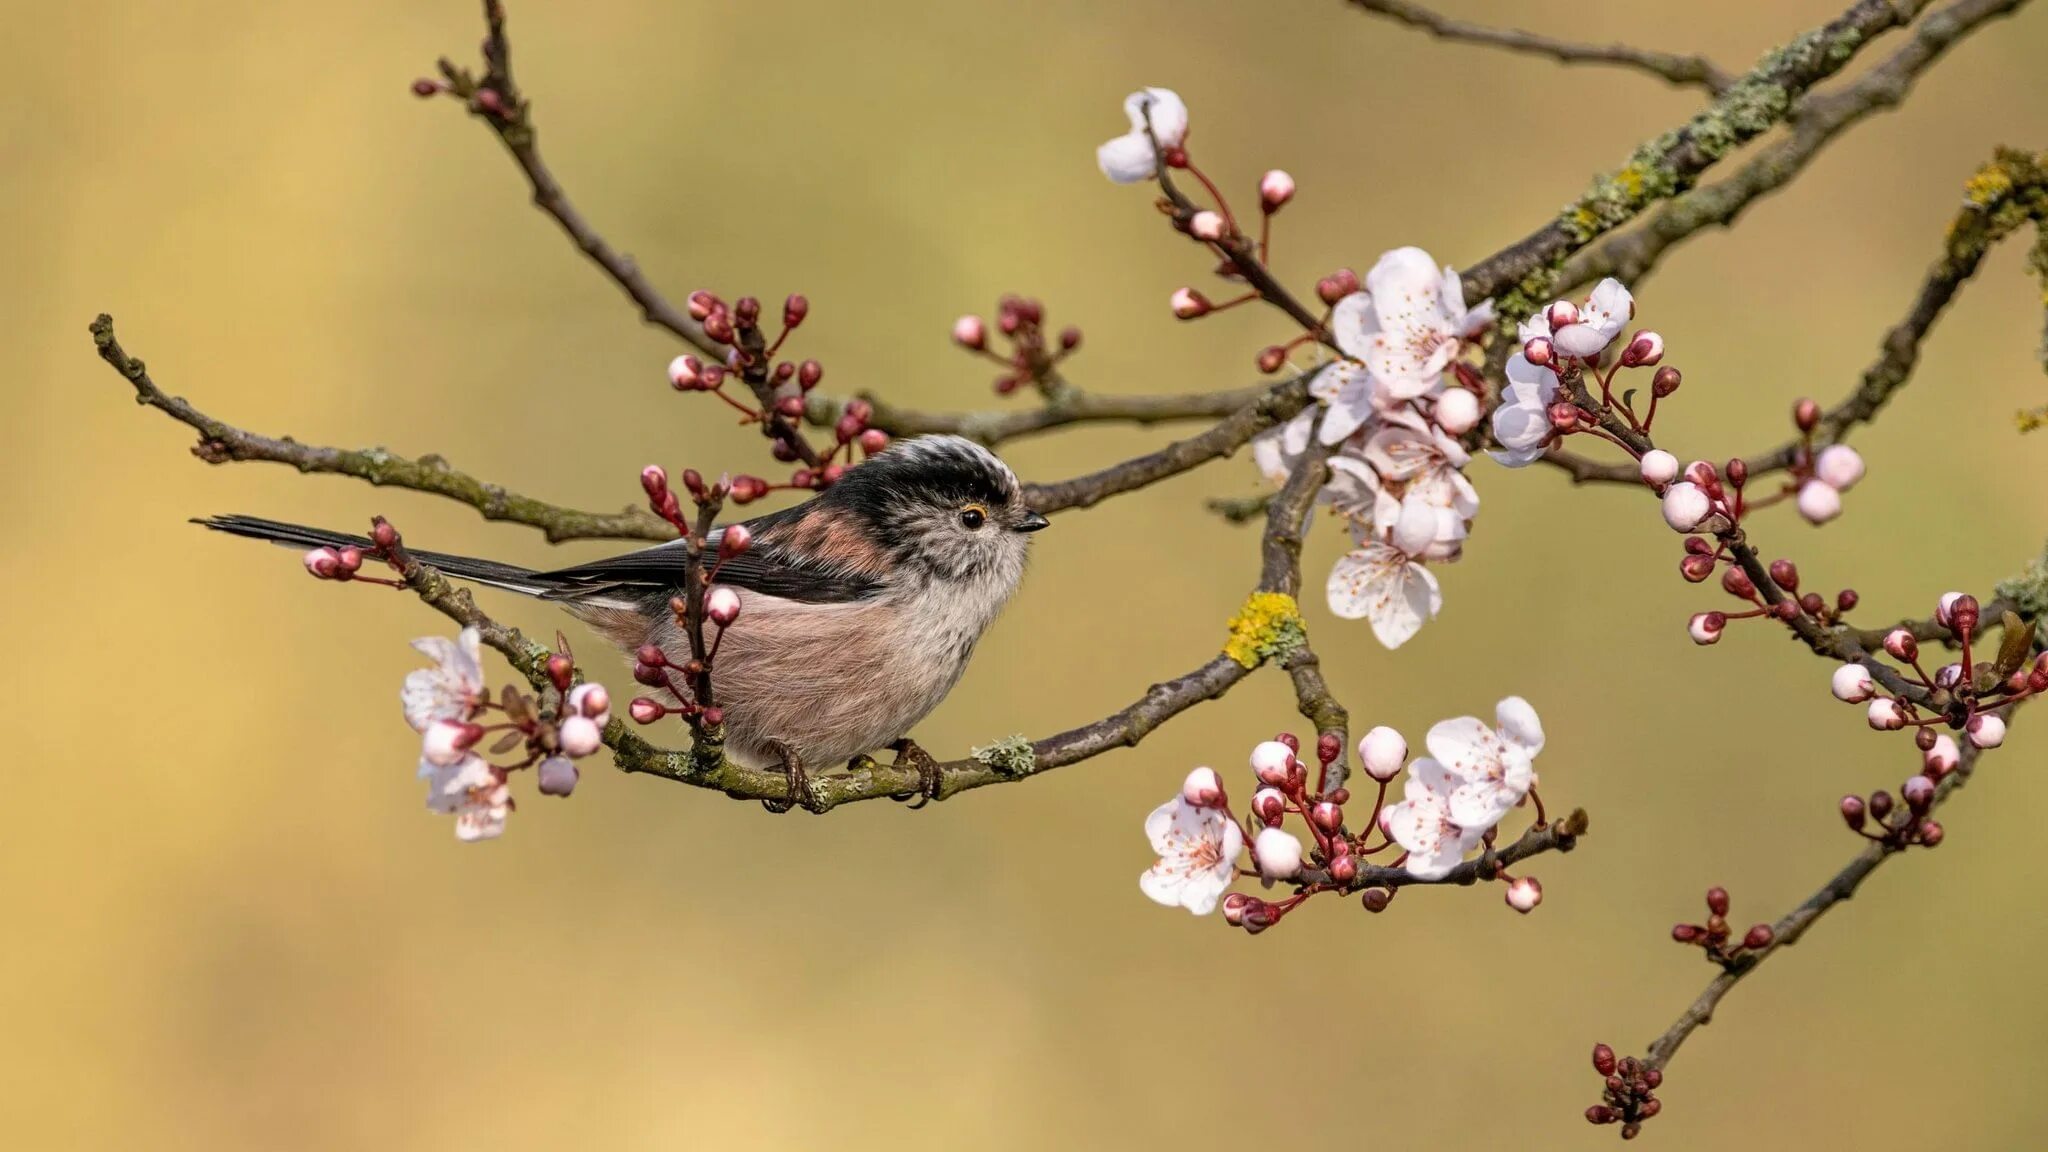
(791, 557)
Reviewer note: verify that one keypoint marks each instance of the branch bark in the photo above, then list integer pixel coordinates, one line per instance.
(1674, 68)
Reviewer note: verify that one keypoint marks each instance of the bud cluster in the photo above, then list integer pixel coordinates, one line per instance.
(1031, 357)
(1717, 940)
(1965, 695)
(1629, 1095)
(706, 551)
(344, 564)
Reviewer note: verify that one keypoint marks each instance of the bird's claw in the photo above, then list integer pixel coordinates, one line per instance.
(930, 778)
(801, 794)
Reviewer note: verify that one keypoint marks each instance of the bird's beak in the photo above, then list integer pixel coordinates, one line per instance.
(1032, 522)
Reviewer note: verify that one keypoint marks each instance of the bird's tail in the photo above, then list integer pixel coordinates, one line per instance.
(508, 576)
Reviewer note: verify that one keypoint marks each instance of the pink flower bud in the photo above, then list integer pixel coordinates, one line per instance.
(722, 606)
(1819, 502)
(970, 332)
(1562, 313)
(701, 304)
(873, 440)
(1188, 303)
(1203, 788)
(1564, 416)
(1206, 225)
(1853, 685)
(1383, 752)
(580, 736)
(1539, 351)
(1659, 467)
(685, 373)
(1943, 758)
(1963, 614)
(1326, 816)
(1902, 645)
(1918, 793)
(1234, 906)
(1269, 805)
(1853, 812)
(351, 559)
(1644, 350)
(448, 741)
(1839, 466)
(591, 700)
(1886, 715)
(654, 480)
(324, 563)
(1948, 676)
(1524, 894)
(1706, 627)
(734, 540)
(1277, 853)
(1270, 762)
(1276, 188)
(1696, 567)
(1685, 506)
(1701, 473)
(1985, 730)
(557, 776)
(1457, 411)
(1343, 869)
(644, 710)
(1759, 937)
(1930, 833)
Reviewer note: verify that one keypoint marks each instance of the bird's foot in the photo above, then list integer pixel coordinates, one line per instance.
(801, 794)
(930, 778)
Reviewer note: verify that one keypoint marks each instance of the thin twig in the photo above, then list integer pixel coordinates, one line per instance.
(994, 427)
(1795, 924)
(1680, 70)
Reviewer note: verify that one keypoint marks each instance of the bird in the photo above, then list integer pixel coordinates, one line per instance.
(859, 608)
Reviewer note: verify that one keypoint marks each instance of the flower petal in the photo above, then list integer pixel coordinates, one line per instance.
(1127, 159)
(1167, 114)
(1520, 724)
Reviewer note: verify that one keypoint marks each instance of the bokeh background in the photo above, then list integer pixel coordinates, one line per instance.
(229, 923)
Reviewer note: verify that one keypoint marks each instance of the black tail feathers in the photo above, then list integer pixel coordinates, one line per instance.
(507, 576)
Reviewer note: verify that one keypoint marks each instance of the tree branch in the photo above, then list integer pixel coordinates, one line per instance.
(2005, 194)
(1668, 165)
(1679, 70)
(221, 443)
(1795, 924)
(993, 427)
(1816, 122)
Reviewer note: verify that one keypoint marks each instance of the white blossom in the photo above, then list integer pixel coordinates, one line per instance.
(1494, 767)
(1404, 330)
(1521, 421)
(1131, 158)
(1382, 752)
(1601, 318)
(1198, 850)
(1659, 467)
(1421, 823)
(1686, 505)
(450, 690)
(1986, 731)
(473, 792)
(1380, 581)
(1427, 465)
(1852, 684)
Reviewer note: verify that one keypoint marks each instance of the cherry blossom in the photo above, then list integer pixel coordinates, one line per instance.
(1494, 768)
(1819, 501)
(1382, 752)
(1380, 581)
(1521, 421)
(1599, 320)
(1198, 849)
(1399, 335)
(1421, 822)
(1839, 467)
(1427, 465)
(1131, 158)
(1852, 684)
(471, 790)
(450, 690)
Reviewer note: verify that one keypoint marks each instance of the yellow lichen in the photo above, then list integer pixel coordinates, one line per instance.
(1991, 184)
(1268, 625)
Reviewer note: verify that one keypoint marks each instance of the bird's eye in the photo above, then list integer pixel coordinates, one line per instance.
(974, 516)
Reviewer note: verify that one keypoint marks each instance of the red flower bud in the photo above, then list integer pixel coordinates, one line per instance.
(1806, 414)
(794, 309)
(1717, 901)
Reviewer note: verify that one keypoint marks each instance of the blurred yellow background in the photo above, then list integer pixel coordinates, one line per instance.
(229, 922)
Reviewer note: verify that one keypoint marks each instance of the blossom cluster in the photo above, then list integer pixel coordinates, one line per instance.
(1963, 695)
(450, 705)
(1452, 802)
(706, 550)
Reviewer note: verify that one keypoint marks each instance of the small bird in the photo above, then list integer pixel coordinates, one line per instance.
(859, 607)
